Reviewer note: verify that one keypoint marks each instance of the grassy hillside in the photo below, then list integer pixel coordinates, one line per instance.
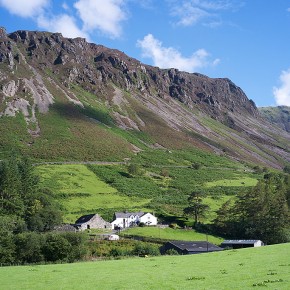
(80, 191)
(279, 116)
(163, 183)
(265, 267)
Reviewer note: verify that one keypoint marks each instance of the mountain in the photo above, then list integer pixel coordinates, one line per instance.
(67, 99)
(279, 116)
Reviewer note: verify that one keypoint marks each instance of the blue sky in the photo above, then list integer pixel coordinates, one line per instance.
(247, 41)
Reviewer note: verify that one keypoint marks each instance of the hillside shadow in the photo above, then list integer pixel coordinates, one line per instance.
(75, 112)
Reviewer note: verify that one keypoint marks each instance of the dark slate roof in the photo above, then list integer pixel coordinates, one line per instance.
(195, 246)
(239, 242)
(128, 214)
(85, 218)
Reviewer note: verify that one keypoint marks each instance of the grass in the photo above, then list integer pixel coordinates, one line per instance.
(246, 181)
(253, 268)
(171, 234)
(80, 191)
(105, 189)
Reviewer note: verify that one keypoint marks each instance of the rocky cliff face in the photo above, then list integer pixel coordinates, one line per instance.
(40, 70)
(94, 66)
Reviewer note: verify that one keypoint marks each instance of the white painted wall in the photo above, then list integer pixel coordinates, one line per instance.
(149, 219)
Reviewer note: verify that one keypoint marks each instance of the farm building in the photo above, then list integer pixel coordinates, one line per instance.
(190, 247)
(237, 244)
(92, 221)
(129, 219)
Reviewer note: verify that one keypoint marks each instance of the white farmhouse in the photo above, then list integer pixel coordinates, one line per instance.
(148, 219)
(128, 219)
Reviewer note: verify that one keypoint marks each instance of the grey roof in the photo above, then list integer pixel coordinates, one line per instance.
(128, 214)
(85, 218)
(195, 246)
(240, 242)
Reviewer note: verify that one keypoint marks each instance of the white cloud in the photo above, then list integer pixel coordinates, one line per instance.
(169, 57)
(63, 23)
(190, 12)
(65, 6)
(28, 8)
(105, 16)
(282, 94)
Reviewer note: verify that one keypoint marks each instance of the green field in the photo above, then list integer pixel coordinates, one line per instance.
(80, 191)
(244, 181)
(171, 234)
(163, 184)
(255, 268)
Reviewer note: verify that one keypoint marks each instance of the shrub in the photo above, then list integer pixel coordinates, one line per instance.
(141, 249)
(56, 248)
(29, 247)
(171, 252)
(173, 226)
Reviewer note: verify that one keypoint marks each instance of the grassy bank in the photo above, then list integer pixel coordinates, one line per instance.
(171, 234)
(265, 267)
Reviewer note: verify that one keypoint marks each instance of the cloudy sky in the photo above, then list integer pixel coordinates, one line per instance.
(246, 41)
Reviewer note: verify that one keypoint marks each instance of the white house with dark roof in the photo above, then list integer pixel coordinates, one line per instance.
(128, 219)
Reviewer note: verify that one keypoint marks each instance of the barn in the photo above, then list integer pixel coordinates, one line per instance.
(91, 221)
(238, 244)
(190, 247)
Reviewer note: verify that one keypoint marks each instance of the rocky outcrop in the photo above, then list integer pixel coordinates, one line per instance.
(167, 107)
(94, 66)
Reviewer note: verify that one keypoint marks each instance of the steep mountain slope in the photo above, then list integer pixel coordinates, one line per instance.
(279, 116)
(68, 99)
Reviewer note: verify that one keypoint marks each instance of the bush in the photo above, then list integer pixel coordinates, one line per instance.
(195, 166)
(29, 247)
(171, 252)
(56, 248)
(173, 226)
(146, 249)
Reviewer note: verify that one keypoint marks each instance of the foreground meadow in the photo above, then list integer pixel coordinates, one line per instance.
(254, 268)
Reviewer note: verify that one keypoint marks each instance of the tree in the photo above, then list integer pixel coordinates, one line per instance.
(260, 213)
(10, 188)
(196, 206)
(164, 172)
(286, 169)
(225, 223)
(56, 247)
(29, 247)
(196, 165)
(20, 195)
(134, 169)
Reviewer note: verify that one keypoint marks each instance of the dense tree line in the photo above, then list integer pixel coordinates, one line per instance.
(23, 201)
(26, 211)
(260, 213)
(33, 247)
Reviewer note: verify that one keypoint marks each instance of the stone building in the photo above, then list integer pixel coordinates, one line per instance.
(92, 221)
